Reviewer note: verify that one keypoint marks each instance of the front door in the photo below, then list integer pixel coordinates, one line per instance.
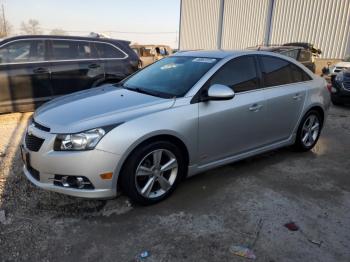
(235, 126)
(24, 75)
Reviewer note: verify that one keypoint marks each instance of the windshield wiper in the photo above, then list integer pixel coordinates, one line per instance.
(147, 92)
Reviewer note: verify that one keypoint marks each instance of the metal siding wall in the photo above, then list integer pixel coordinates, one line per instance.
(199, 24)
(244, 23)
(325, 23)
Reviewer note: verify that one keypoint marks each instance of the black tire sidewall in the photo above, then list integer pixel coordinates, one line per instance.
(127, 175)
(299, 143)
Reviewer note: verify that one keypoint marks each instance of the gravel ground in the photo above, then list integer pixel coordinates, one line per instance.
(201, 221)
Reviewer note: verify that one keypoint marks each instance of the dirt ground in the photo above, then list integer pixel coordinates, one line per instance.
(205, 216)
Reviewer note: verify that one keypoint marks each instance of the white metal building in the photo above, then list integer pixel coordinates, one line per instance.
(237, 24)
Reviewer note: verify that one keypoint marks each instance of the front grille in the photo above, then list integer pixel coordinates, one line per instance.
(34, 173)
(346, 85)
(33, 143)
(41, 127)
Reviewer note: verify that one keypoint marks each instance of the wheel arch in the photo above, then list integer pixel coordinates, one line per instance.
(158, 137)
(318, 109)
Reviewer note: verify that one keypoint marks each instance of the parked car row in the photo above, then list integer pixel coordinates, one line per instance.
(35, 69)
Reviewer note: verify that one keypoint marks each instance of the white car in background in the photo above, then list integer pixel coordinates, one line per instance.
(335, 69)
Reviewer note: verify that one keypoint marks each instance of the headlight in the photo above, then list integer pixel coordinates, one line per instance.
(339, 77)
(82, 141)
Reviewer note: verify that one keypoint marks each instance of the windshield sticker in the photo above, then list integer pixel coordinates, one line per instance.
(204, 60)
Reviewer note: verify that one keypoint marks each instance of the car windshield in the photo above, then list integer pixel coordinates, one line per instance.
(170, 77)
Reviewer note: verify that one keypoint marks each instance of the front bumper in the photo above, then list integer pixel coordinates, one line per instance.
(342, 95)
(46, 163)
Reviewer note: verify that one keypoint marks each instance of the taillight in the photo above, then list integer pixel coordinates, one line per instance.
(329, 87)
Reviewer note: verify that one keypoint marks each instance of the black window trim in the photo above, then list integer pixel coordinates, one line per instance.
(261, 66)
(48, 39)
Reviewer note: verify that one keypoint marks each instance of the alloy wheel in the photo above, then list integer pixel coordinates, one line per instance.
(156, 173)
(310, 130)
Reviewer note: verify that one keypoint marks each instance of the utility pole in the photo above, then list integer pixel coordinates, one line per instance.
(3, 18)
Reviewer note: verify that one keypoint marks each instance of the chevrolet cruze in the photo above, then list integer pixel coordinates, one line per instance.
(178, 117)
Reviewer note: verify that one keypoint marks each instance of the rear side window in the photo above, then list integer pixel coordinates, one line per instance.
(23, 51)
(108, 51)
(298, 75)
(276, 71)
(68, 50)
(305, 56)
(239, 74)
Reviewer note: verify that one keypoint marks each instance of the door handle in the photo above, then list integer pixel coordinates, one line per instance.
(297, 96)
(255, 107)
(92, 66)
(40, 70)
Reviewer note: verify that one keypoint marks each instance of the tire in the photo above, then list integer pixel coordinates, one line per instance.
(144, 162)
(309, 131)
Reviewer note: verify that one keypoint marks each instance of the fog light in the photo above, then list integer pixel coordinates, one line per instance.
(79, 182)
(107, 175)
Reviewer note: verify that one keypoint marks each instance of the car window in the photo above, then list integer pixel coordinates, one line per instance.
(293, 53)
(305, 56)
(299, 75)
(276, 71)
(86, 50)
(64, 50)
(23, 51)
(70, 50)
(108, 51)
(239, 74)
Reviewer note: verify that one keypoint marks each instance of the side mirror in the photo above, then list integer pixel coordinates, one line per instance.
(219, 92)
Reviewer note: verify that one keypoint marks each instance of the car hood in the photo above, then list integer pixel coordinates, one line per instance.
(97, 107)
(343, 64)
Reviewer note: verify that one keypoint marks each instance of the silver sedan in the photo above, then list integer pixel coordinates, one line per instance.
(180, 116)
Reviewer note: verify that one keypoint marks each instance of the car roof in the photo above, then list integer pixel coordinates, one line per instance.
(274, 48)
(212, 53)
(9, 39)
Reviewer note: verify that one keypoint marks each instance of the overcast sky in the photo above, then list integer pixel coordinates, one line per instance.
(151, 21)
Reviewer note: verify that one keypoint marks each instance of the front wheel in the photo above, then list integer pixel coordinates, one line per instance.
(152, 172)
(309, 131)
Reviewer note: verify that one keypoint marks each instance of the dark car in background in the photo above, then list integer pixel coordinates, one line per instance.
(340, 92)
(35, 69)
(305, 53)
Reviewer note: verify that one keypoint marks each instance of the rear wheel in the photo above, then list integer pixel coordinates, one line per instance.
(152, 172)
(309, 131)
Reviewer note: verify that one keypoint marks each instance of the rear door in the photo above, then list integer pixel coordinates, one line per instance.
(75, 66)
(24, 75)
(285, 85)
